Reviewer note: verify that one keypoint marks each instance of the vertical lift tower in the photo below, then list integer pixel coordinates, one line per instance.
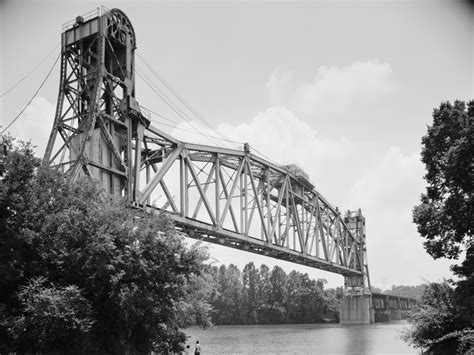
(356, 305)
(97, 117)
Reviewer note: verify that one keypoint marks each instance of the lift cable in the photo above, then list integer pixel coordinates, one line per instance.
(176, 110)
(206, 123)
(34, 95)
(265, 156)
(168, 102)
(190, 131)
(158, 114)
(30, 72)
(144, 61)
(182, 129)
(190, 108)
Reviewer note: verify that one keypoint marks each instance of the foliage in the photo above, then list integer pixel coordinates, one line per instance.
(278, 295)
(433, 317)
(464, 292)
(264, 296)
(306, 301)
(65, 242)
(458, 342)
(52, 316)
(444, 217)
(332, 299)
(250, 283)
(405, 291)
(228, 298)
(194, 308)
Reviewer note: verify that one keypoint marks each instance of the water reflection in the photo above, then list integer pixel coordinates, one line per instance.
(378, 338)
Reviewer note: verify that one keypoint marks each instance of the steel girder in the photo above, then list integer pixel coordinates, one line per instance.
(386, 302)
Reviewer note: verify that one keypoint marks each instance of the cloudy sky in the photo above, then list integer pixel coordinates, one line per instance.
(344, 89)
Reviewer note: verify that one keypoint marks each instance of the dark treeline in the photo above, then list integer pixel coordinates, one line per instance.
(264, 296)
(407, 291)
(402, 291)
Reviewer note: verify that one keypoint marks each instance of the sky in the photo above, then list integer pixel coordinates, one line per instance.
(344, 89)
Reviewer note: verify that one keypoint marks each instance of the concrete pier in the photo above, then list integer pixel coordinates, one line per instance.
(395, 314)
(356, 309)
(374, 307)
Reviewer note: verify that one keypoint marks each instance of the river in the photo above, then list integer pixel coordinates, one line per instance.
(377, 338)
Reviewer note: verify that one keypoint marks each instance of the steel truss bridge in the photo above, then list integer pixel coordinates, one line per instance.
(224, 196)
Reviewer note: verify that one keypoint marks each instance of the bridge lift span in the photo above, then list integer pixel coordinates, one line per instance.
(224, 196)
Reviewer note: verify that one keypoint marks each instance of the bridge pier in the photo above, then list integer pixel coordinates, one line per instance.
(395, 314)
(356, 309)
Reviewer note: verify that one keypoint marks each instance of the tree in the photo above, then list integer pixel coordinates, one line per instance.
(464, 292)
(66, 243)
(261, 296)
(250, 281)
(264, 295)
(278, 295)
(300, 303)
(52, 317)
(332, 299)
(195, 307)
(405, 291)
(433, 317)
(228, 301)
(444, 217)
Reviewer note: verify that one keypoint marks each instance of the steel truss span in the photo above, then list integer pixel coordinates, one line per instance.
(237, 199)
(223, 196)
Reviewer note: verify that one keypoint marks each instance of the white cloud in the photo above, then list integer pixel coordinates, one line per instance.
(279, 85)
(280, 135)
(391, 179)
(387, 192)
(333, 90)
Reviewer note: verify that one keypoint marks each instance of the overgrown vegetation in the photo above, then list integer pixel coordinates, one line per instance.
(443, 321)
(434, 318)
(80, 272)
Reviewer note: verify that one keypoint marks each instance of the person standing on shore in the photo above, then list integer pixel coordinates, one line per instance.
(198, 348)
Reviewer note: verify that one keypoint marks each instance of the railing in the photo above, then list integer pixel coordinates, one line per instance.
(99, 11)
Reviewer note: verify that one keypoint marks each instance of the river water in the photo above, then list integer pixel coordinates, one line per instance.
(378, 338)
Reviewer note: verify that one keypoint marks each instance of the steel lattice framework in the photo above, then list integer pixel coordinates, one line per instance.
(223, 196)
